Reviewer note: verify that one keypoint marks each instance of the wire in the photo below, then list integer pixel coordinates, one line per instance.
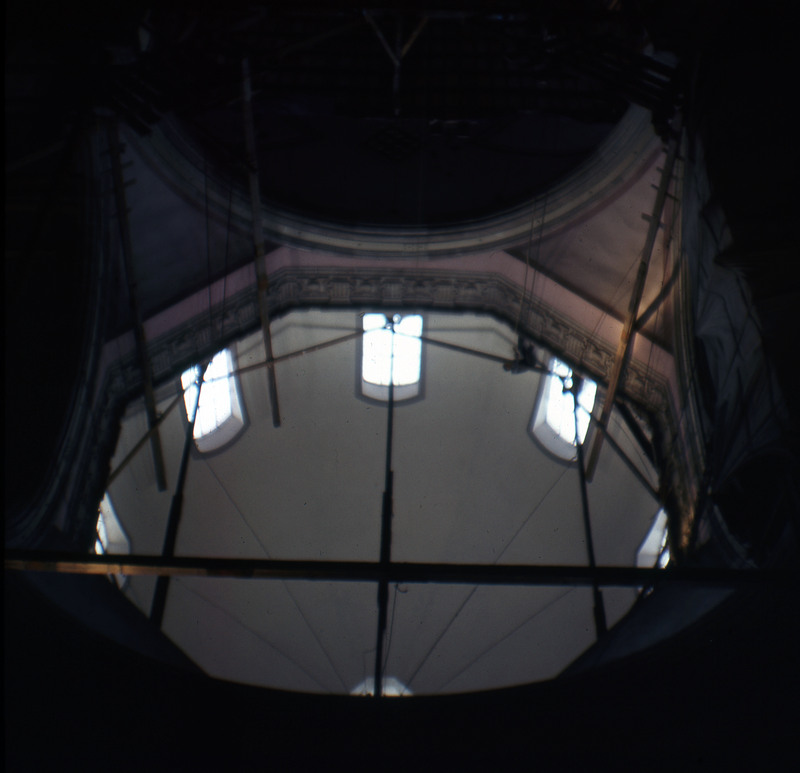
(283, 582)
(516, 628)
(255, 633)
(475, 588)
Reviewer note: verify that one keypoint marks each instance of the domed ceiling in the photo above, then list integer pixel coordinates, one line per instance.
(491, 169)
(388, 116)
(482, 170)
(471, 483)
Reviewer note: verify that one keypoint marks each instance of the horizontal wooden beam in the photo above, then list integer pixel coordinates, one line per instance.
(365, 571)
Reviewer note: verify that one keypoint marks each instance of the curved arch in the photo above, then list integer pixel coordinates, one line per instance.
(631, 143)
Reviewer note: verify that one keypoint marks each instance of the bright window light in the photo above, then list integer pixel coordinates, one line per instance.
(392, 688)
(219, 413)
(391, 353)
(110, 537)
(654, 550)
(554, 418)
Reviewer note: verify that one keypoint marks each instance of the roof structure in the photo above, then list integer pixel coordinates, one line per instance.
(405, 352)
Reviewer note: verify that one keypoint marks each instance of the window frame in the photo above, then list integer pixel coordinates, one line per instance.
(546, 434)
(116, 541)
(373, 392)
(229, 429)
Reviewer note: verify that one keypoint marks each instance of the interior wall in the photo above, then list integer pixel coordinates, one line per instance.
(470, 485)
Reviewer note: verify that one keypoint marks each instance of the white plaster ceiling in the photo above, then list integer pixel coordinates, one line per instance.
(470, 485)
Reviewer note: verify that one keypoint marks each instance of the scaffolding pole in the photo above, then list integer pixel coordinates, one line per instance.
(386, 531)
(173, 520)
(138, 326)
(258, 240)
(626, 338)
(601, 628)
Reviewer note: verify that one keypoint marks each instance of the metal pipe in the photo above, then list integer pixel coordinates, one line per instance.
(173, 520)
(386, 529)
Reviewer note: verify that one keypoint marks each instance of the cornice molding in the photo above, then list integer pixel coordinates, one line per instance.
(292, 288)
(296, 288)
(626, 151)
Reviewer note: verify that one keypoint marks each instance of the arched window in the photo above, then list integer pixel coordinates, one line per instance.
(111, 537)
(391, 353)
(654, 550)
(392, 687)
(219, 412)
(553, 421)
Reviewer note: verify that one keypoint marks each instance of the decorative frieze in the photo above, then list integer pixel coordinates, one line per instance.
(203, 335)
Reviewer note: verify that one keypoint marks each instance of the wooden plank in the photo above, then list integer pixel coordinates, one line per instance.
(364, 571)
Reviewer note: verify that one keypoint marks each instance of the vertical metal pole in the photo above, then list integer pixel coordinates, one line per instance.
(626, 338)
(386, 530)
(173, 520)
(599, 607)
(258, 241)
(138, 327)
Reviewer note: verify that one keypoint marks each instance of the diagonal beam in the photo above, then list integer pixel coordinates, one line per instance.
(382, 38)
(374, 571)
(628, 462)
(246, 369)
(644, 317)
(626, 338)
(414, 35)
(599, 609)
(312, 41)
(258, 240)
(138, 327)
(147, 435)
(173, 519)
